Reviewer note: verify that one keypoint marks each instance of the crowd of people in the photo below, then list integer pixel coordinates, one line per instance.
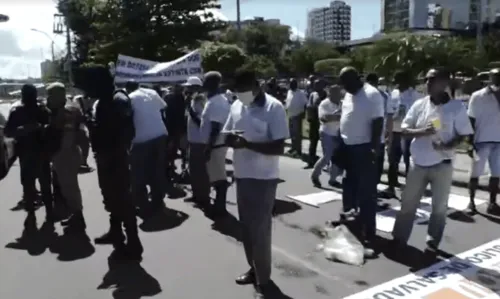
(137, 133)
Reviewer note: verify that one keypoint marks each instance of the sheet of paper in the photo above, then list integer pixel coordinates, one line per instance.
(317, 199)
(387, 218)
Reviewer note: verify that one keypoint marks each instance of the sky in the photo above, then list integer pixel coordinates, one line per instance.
(23, 49)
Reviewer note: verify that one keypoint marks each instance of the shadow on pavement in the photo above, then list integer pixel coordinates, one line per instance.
(129, 280)
(164, 220)
(228, 226)
(282, 207)
(461, 216)
(274, 292)
(72, 246)
(20, 205)
(35, 241)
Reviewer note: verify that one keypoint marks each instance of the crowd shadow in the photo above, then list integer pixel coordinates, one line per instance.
(33, 240)
(72, 246)
(69, 246)
(129, 280)
(164, 219)
(228, 226)
(21, 204)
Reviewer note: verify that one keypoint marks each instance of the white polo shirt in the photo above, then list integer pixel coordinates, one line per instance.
(454, 121)
(484, 107)
(327, 107)
(401, 103)
(216, 110)
(296, 102)
(193, 130)
(148, 121)
(358, 113)
(263, 122)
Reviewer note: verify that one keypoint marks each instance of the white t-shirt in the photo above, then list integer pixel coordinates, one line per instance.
(453, 119)
(193, 130)
(148, 121)
(296, 102)
(358, 113)
(400, 103)
(484, 107)
(327, 107)
(259, 123)
(216, 110)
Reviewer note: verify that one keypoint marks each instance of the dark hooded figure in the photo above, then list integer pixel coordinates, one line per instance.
(26, 124)
(112, 132)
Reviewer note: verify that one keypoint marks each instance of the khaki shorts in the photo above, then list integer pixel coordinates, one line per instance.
(216, 166)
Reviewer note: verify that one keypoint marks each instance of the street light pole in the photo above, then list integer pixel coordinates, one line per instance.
(51, 41)
(479, 27)
(238, 15)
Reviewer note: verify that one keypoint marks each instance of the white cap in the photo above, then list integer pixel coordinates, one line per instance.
(193, 81)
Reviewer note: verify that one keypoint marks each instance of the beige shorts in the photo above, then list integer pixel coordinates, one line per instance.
(216, 166)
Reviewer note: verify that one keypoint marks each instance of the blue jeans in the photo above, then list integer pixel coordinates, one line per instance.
(329, 144)
(360, 185)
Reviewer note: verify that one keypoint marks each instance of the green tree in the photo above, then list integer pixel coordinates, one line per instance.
(156, 30)
(303, 58)
(221, 57)
(331, 66)
(262, 65)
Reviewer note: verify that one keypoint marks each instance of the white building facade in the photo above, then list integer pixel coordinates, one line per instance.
(331, 24)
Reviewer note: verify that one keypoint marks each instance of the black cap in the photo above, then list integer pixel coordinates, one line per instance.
(495, 71)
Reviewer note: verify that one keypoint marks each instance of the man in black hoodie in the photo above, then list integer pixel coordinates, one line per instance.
(111, 136)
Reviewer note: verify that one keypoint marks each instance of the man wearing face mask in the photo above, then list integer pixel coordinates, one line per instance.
(484, 114)
(65, 152)
(26, 124)
(257, 129)
(200, 182)
(361, 124)
(437, 124)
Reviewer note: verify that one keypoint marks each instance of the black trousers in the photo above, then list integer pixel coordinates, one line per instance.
(33, 166)
(313, 139)
(400, 147)
(114, 176)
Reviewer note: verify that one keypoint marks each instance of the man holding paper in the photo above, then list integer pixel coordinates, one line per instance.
(437, 124)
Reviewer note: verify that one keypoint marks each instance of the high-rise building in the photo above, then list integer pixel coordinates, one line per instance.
(330, 24)
(450, 14)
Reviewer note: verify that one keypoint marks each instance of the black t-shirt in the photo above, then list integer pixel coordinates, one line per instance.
(175, 114)
(23, 115)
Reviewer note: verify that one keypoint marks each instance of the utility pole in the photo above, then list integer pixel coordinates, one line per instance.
(68, 54)
(238, 15)
(479, 27)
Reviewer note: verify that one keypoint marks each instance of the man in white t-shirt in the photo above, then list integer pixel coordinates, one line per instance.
(257, 129)
(437, 124)
(329, 116)
(296, 101)
(213, 118)
(361, 125)
(389, 110)
(484, 113)
(147, 157)
(402, 98)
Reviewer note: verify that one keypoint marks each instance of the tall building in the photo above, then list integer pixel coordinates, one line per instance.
(330, 24)
(444, 14)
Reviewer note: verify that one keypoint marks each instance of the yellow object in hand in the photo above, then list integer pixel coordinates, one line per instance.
(436, 123)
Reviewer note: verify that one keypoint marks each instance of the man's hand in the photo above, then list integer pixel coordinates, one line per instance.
(471, 151)
(235, 141)
(428, 130)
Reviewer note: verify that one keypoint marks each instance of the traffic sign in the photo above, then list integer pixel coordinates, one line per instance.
(4, 18)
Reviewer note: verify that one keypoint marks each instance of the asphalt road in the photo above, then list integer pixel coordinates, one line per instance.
(186, 256)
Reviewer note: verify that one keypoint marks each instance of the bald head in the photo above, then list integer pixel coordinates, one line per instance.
(56, 95)
(350, 79)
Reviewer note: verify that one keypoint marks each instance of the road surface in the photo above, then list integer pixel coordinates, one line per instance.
(186, 256)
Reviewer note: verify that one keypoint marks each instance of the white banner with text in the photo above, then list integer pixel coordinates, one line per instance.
(148, 71)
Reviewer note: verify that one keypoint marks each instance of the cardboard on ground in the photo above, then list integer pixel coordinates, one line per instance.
(385, 220)
(317, 199)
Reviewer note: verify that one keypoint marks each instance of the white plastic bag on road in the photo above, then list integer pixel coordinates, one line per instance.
(341, 245)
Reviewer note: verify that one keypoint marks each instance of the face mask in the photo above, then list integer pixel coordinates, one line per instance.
(246, 97)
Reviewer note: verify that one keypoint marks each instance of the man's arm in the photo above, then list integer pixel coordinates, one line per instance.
(377, 120)
(12, 127)
(472, 111)
(463, 128)
(279, 132)
(192, 114)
